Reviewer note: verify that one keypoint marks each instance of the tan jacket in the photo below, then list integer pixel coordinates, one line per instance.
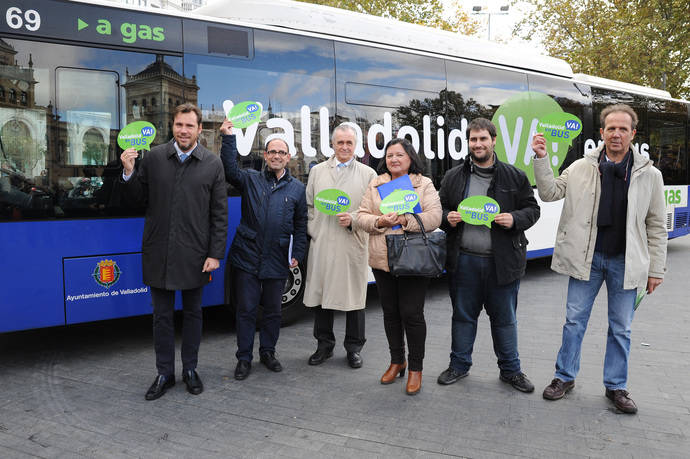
(337, 271)
(369, 211)
(645, 231)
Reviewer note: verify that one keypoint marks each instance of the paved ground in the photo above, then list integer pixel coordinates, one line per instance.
(79, 391)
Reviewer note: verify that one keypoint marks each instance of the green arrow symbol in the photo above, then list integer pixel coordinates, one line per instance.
(81, 24)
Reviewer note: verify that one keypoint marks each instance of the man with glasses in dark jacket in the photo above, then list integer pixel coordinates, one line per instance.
(270, 239)
(485, 264)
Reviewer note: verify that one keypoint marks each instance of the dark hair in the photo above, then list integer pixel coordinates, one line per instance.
(287, 147)
(187, 108)
(623, 108)
(479, 124)
(416, 165)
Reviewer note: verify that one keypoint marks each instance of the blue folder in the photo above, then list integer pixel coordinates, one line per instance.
(401, 183)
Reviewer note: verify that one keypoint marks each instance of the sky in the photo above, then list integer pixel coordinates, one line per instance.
(501, 24)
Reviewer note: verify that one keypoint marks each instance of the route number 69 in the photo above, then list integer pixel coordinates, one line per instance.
(31, 19)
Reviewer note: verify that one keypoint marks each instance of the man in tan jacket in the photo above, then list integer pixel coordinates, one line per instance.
(337, 270)
(612, 229)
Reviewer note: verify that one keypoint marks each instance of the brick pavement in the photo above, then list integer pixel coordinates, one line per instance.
(78, 391)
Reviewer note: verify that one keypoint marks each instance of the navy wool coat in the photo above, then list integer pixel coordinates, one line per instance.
(186, 215)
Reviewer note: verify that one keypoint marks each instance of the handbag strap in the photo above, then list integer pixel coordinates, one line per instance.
(421, 226)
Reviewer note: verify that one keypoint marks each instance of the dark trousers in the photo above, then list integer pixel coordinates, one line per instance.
(164, 329)
(474, 286)
(354, 329)
(251, 291)
(402, 301)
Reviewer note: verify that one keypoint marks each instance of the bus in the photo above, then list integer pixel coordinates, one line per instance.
(73, 74)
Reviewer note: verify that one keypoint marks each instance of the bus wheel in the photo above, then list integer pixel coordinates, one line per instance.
(292, 306)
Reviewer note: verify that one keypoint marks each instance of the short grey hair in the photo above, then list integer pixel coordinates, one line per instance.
(343, 127)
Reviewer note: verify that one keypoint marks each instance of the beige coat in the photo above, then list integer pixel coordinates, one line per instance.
(369, 211)
(337, 273)
(645, 230)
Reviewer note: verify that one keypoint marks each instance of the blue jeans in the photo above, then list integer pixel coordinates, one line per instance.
(251, 291)
(473, 285)
(581, 295)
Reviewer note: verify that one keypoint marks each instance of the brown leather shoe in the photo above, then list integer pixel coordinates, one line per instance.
(414, 382)
(393, 371)
(621, 400)
(557, 389)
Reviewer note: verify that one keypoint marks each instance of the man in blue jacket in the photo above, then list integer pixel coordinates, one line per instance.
(274, 220)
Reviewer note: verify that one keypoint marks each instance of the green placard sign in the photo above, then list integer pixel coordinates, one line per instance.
(479, 210)
(400, 202)
(332, 201)
(243, 114)
(138, 135)
(560, 127)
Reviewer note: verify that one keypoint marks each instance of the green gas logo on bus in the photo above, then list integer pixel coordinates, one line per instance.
(130, 32)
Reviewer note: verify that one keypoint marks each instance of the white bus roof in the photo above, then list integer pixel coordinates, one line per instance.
(336, 22)
(621, 86)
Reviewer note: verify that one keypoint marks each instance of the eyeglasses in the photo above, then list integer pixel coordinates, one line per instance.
(277, 152)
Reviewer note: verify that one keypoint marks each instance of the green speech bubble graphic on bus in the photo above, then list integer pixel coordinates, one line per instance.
(400, 202)
(245, 113)
(331, 201)
(138, 135)
(516, 120)
(479, 210)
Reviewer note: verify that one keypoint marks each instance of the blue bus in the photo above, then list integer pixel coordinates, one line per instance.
(73, 74)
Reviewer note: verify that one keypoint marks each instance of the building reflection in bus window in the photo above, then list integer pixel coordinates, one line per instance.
(61, 108)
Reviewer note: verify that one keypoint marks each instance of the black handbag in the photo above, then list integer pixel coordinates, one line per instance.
(416, 254)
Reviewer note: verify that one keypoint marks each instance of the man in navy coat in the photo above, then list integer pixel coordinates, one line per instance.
(274, 221)
(182, 187)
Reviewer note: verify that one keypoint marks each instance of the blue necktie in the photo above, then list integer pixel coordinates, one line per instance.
(183, 156)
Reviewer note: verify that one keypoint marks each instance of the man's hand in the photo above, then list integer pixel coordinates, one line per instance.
(127, 158)
(454, 218)
(653, 283)
(211, 264)
(505, 220)
(294, 263)
(344, 219)
(226, 127)
(388, 220)
(539, 145)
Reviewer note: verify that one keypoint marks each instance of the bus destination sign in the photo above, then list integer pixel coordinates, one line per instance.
(91, 24)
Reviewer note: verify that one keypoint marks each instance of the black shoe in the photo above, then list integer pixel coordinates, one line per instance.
(269, 359)
(320, 356)
(242, 369)
(159, 386)
(519, 382)
(449, 376)
(354, 360)
(193, 382)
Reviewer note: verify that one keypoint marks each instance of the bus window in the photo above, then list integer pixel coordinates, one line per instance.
(476, 91)
(87, 101)
(59, 156)
(667, 124)
(291, 76)
(574, 98)
(389, 94)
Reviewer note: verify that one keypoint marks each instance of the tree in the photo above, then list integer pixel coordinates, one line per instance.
(423, 12)
(637, 41)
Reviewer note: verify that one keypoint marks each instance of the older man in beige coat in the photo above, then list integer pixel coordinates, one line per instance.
(337, 269)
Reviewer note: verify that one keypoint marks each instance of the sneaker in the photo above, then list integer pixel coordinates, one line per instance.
(519, 382)
(450, 376)
(557, 389)
(621, 400)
